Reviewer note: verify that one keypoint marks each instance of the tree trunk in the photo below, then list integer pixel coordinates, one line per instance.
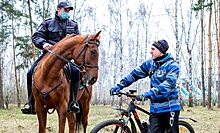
(30, 23)
(190, 104)
(216, 34)
(1, 85)
(178, 52)
(189, 50)
(120, 43)
(218, 48)
(210, 58)
(15, 70)
(1, 67)
(202, 59)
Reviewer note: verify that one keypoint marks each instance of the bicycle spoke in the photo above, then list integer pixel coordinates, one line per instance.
(183, 129)
(110, 126)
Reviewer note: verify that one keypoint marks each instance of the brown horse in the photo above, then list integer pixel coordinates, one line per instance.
(50, 87)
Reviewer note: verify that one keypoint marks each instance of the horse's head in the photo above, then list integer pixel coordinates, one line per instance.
(87, 58)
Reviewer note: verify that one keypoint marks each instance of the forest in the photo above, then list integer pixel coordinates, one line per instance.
(191, 28)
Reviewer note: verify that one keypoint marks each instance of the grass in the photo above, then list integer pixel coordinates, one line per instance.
(12, 121)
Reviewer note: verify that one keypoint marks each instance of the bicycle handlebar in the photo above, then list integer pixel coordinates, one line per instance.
(128, 94)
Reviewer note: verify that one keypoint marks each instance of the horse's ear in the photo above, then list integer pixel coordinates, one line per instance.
(97, 35)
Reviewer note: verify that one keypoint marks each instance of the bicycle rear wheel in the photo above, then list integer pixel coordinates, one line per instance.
(185, 127)
(110, 126)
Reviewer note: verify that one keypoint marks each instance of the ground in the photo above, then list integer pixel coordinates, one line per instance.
(12, 120)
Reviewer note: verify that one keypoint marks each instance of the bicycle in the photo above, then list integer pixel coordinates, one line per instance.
(125, 124)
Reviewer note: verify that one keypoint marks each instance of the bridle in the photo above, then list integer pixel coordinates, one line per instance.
(82, 65)
(83, 50)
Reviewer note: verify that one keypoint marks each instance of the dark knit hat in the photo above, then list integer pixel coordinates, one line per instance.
(161, 45)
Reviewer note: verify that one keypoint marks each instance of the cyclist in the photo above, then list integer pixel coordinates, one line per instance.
(163, 72)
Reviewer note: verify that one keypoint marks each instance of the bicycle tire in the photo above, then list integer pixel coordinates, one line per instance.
(183, 125)
(110, 126)
(133, 128)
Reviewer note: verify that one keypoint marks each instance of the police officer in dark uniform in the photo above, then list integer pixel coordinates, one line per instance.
(48, 34)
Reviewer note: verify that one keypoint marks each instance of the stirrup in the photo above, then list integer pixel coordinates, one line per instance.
(75, 108)
(28, 110)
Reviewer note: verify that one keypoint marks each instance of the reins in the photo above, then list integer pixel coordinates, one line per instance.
(82, 65)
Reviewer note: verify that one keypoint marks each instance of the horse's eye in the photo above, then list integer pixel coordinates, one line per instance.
(92, 52)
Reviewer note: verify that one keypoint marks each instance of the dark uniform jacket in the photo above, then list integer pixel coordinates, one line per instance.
(53, 30)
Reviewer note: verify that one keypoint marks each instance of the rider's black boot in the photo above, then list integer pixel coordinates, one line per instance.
(29, 106)
(73, 105)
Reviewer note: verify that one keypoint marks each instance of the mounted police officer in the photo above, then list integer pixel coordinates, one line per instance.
(48, 34)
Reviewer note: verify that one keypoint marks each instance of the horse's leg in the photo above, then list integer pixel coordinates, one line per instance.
(85, 111)
(71, 122)
(85, 102)
(62, 113)
(42, 117)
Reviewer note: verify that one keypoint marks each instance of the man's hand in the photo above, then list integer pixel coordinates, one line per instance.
(117, 88)
(143, 97)
(140, 98)
(47, 46)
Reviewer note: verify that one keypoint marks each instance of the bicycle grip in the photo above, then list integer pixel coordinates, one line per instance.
(111, 93)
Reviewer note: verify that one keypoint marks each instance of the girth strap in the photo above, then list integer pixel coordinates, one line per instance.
(45, 94)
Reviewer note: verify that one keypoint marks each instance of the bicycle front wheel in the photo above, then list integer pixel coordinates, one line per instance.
(110, 126)
(185, 127)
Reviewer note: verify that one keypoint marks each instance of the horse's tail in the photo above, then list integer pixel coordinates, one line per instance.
(79, 117)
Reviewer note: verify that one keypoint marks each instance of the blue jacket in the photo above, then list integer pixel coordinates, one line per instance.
(53, 30)
(163, 93)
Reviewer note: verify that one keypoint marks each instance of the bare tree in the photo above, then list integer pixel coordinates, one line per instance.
(4, 35)
(218, 48)
(210, 57)
(202, 56)
(176, 33)
(14, 60)
(1, 85)
(1, 64)
(31, 29)
(190, 39)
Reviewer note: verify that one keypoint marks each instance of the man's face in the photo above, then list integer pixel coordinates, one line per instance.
(155, 52)
(60, 10)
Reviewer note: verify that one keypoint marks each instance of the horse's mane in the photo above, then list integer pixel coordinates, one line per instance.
(61, 49)
(66, 40)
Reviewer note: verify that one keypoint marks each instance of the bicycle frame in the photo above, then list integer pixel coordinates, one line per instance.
(132, 109)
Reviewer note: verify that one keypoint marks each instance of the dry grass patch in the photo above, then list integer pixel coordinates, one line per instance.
(12, 121)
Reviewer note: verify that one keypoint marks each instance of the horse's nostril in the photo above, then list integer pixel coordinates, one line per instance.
(93, 80)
